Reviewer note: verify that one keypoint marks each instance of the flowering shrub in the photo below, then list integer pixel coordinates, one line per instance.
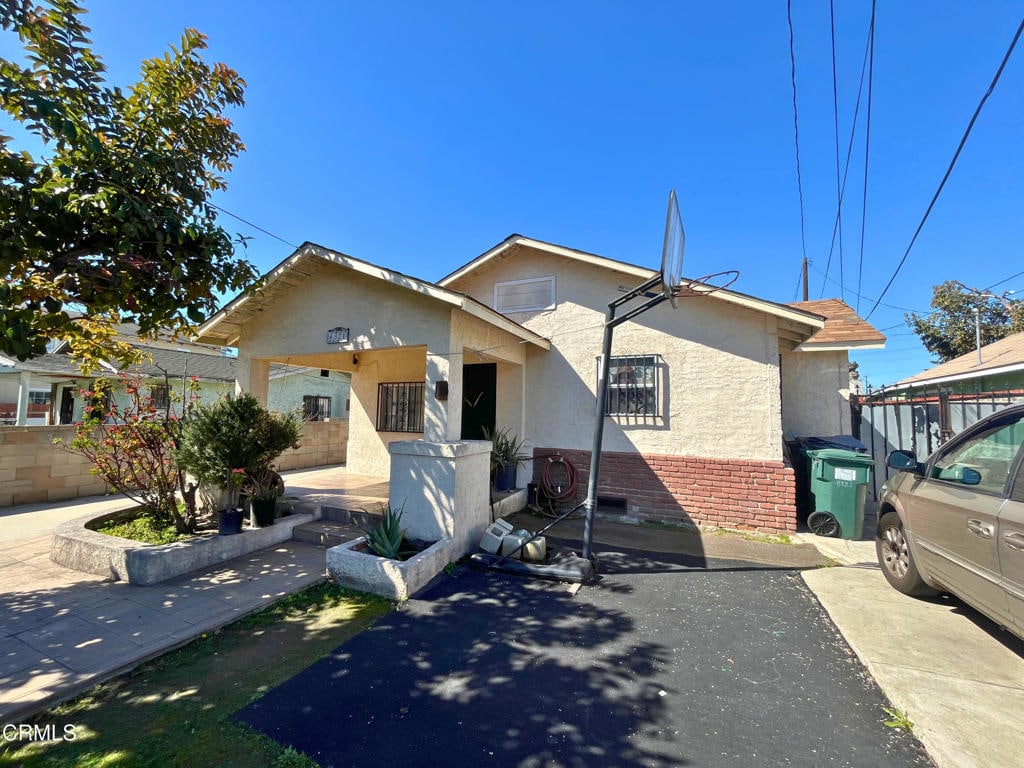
(132, 445)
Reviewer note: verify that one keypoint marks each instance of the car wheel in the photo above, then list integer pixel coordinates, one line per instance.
(894, 556)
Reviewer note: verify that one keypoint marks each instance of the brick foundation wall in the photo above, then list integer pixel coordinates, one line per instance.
(728, 493)
(323, 442)
(33, 469)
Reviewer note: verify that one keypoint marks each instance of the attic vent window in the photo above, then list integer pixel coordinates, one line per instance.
(528, 295)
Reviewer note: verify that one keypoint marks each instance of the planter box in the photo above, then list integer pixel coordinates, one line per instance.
(351, 565)
(75, 546)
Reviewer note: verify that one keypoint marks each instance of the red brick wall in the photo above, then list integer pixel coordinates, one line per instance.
(728, 493)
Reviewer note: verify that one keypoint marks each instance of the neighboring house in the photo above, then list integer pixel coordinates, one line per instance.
(51, 384)
(701, 396)
(921, 412)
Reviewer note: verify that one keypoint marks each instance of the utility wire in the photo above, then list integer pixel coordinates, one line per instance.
(796, 126)
(1008, 279)
(835, 119)
(254, 226)
(849, 156)
(867, 151)
(867, 298)
(949, 170)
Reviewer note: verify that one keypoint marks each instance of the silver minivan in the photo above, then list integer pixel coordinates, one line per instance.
(955, 522)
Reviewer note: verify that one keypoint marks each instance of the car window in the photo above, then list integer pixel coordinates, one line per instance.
(989, 453)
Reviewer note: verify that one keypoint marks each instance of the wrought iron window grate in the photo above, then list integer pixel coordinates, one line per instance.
(400, 406)
(316, 407)
(633, 386)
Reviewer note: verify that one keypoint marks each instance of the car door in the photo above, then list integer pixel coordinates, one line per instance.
(1011, 548)
(954, 514)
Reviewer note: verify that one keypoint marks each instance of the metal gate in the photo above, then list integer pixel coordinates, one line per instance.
(918, 419)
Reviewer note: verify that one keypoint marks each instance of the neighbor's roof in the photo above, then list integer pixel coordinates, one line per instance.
(1003, 356)
(224, 327)
(508, 246)
(844, 328)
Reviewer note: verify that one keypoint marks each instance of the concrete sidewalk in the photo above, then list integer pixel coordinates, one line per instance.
(956, 675)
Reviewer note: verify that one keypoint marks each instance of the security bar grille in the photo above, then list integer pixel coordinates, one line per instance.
(316, 407)
(632, 386)
(400, 406)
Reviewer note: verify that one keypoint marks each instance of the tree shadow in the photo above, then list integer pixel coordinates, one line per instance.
(481, 668)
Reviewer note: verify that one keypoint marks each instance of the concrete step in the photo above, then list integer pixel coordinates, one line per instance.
(326, 533)
(355, 517)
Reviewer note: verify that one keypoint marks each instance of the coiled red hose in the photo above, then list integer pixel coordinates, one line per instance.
(557, 488)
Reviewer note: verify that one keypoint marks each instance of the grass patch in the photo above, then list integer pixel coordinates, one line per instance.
(175, 710)
(763, 538)
(143, 528)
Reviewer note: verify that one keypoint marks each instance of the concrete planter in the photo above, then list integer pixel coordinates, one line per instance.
(351, 565)
(76, 546)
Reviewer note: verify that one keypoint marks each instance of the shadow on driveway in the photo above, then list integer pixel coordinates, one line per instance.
(663, 667)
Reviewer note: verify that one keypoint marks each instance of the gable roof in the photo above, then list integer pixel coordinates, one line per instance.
(844, 328)
(224, 327)
(1003, 356)
(505, 247)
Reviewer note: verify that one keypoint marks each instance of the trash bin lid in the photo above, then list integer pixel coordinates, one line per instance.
(846, 442)
(840, 456)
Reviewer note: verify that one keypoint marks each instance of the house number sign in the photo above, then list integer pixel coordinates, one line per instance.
(337, 335)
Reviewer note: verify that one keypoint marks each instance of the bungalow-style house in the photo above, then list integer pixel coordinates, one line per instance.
(700, 397)
(49, 386)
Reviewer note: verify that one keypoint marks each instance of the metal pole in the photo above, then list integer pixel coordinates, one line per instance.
(595, 453)
(977, 332)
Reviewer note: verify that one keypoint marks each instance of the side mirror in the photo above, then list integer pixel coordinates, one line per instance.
(905, 461)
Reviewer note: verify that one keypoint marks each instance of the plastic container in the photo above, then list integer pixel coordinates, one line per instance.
(493, 535)
(838, 486)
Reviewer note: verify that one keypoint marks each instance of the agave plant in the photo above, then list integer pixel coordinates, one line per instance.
(387, 537)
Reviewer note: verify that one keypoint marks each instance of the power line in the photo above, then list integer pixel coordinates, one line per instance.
(866, 298)
(254, 226)
(796, 126)
(835, 116)
(1006, 280)
(867, 151)
(849, 156)
(949, 170)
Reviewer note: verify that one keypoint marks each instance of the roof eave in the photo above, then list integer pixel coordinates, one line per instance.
(839, 346)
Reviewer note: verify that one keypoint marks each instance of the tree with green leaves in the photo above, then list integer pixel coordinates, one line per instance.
(113, 221)
(950, 330)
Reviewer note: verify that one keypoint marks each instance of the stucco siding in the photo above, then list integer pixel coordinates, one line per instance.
(815, 393)
(719, 373)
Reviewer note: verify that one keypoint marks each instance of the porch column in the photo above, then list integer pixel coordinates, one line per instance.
(24, 379)
(442, 419)
(253, 376)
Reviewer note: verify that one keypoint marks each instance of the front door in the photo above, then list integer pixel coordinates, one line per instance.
(479, 398)
(67, 406)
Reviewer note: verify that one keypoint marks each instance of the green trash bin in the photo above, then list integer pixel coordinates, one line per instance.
(839, 482)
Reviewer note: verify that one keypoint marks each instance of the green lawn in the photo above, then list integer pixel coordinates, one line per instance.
(175, 711)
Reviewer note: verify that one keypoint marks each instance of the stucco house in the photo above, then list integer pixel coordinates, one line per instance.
(700, 400)
(48, 388)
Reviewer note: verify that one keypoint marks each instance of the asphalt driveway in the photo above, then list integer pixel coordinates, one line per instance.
(671, 660)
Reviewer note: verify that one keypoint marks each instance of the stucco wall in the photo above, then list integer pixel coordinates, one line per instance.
(285, 393)
(815, 393)
(719, 377)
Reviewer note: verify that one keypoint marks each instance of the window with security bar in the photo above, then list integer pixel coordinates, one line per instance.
(316, 408)
(400, 406)
(161, 394)
(632, 386)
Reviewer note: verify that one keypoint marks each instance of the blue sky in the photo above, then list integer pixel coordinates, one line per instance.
(418, 135)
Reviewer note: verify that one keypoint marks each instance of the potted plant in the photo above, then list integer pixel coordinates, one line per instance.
(229, 519)
(263, 487)
(235, 437)
(506, 456)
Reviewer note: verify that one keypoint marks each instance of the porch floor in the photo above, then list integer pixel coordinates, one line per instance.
(335, 486)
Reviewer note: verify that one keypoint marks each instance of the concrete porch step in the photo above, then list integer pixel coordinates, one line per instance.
(326, 533)
(345, 516)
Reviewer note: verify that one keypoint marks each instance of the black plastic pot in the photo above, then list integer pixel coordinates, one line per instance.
(263, 511)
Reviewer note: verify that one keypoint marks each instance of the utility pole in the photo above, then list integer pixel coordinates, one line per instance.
(977, 332)
(803, 271)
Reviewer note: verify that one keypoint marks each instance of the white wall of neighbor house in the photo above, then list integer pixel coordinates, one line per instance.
(816, 393)
(719, 383)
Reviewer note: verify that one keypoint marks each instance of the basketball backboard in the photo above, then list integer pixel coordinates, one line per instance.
(672, 250)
